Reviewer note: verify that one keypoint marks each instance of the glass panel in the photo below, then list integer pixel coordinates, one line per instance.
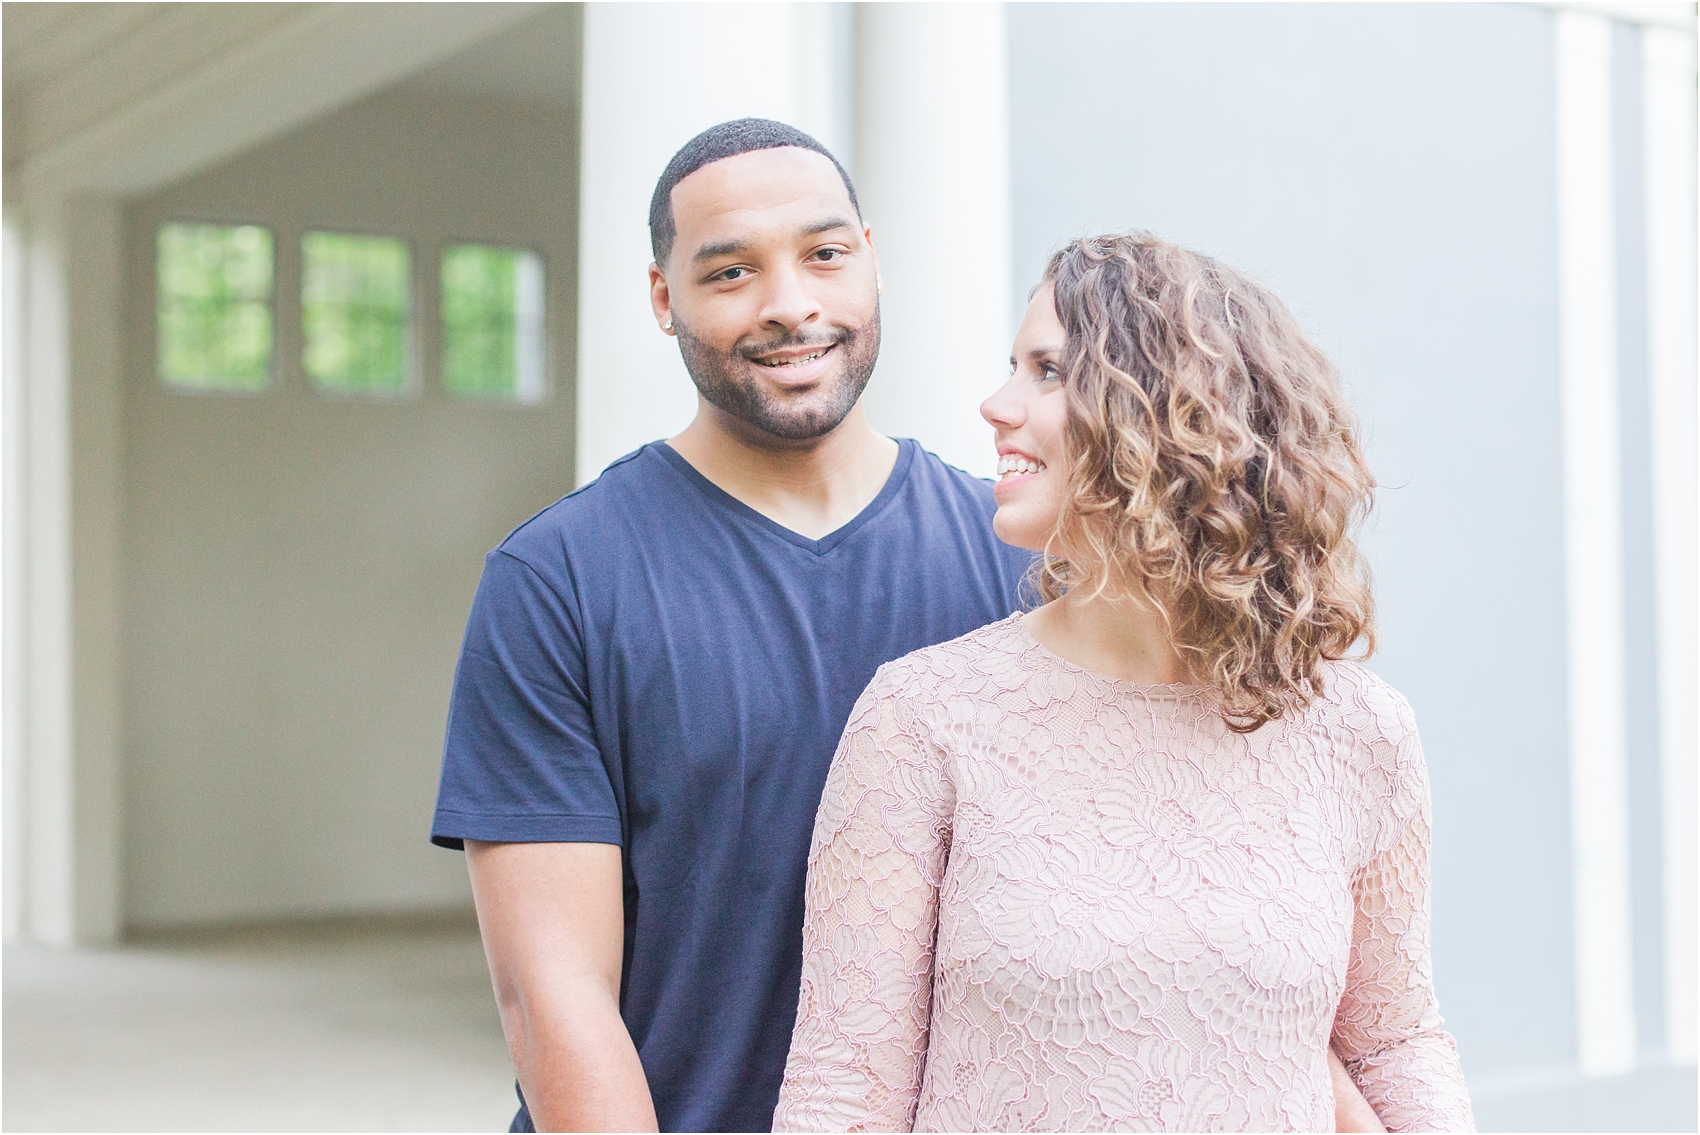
(354, 313)
(493, 323)
(213, 306)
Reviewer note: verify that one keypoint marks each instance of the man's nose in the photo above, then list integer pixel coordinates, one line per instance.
(789, 302)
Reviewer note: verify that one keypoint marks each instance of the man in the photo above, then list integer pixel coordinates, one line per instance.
(657, 667)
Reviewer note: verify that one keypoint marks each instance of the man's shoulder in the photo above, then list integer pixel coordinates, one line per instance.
(965, 504)
(628, 483)
(938, 475)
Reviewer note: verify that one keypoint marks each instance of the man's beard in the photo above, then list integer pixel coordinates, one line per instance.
(819, 412)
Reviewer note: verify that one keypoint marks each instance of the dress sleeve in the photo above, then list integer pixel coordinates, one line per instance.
(1388, 1030)
(882, 837)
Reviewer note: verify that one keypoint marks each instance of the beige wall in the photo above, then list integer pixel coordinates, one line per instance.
(298, 569)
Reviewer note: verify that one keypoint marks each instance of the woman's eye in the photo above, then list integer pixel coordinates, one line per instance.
(1049, 372)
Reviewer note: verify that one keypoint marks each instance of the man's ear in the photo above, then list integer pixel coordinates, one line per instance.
(660, 299)
(879, 281)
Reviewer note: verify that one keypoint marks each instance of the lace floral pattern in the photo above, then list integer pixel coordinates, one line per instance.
(1043, 899)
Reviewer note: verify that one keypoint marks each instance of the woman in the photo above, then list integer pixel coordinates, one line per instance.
(1135, 858)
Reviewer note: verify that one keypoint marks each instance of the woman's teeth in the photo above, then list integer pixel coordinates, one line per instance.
(797, 362)
(1015, 463)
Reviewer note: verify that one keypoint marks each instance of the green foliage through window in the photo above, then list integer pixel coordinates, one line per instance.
(354, 313)
(492, 306)
(213, 306)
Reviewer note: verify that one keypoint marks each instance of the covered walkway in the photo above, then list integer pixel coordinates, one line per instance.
(351, 1025)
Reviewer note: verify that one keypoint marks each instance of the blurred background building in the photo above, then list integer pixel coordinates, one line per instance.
(307, 305)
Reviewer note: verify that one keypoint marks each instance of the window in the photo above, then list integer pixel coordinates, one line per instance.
(492, 307)
(215, 319)
(213, 306)
(354, 313)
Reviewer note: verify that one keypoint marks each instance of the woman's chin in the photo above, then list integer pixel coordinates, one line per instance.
(1019, 531)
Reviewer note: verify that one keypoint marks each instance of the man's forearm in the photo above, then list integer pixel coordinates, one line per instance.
(1351, 1111)
(577, 1066)
(553, 924)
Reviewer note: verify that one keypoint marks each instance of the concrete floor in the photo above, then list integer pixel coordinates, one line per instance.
(329, 1027)
(384, 1025)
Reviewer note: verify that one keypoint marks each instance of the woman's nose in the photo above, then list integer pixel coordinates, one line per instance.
(1004, 410)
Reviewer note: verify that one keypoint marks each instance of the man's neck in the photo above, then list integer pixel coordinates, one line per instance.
(812, 487)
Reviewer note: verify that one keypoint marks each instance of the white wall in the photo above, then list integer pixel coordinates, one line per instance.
(298, 569)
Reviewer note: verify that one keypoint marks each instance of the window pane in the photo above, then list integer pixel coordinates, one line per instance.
(213, 306)
(493, 323)
(354, 312)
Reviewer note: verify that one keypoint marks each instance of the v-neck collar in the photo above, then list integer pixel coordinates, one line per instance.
(906, 448)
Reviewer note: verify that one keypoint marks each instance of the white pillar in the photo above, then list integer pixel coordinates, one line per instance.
(14, 641)
(51, 853)
(64, 472)
(932, 171)
(1593, 543)
(94, 239)
(1668, 78)
(654, 76)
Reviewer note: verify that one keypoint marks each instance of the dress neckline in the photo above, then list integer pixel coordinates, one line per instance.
(1030, 644)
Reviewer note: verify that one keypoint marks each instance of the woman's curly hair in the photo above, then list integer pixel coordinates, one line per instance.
(1213, 467)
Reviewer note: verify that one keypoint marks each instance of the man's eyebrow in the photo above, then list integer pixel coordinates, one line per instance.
(715, 249)
(826, 225)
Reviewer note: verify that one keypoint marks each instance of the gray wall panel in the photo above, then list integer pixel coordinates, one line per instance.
(1390, 169)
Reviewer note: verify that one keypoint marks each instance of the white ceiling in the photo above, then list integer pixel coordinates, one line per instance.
(43, 41)
(68, 66)
(536, 60)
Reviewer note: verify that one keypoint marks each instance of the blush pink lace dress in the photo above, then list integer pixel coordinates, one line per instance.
(1041, 899)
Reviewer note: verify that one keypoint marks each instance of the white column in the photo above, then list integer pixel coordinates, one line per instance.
(52, 852)
(94, 241)
(1593, 542)
(932, 170)
(654, 76)
(14, 641)
(1668, 83)
(64, 472)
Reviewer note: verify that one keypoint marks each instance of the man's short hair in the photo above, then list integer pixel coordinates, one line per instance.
(729, 139)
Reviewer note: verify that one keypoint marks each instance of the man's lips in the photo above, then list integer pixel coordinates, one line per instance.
(795, 365)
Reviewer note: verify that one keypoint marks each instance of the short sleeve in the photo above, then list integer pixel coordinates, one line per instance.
(520, 759)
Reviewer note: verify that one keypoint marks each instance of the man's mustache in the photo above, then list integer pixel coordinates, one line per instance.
(794, 342)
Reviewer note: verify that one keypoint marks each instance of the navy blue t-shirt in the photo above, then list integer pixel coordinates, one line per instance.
(653, 664)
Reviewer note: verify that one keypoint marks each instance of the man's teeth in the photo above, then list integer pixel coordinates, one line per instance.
(1015, 463)
(797, 362)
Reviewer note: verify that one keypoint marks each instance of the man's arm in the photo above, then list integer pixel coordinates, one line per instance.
(1351, 1111)
(553, 922)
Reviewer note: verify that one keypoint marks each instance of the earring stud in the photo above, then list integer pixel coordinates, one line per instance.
(668, 326)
